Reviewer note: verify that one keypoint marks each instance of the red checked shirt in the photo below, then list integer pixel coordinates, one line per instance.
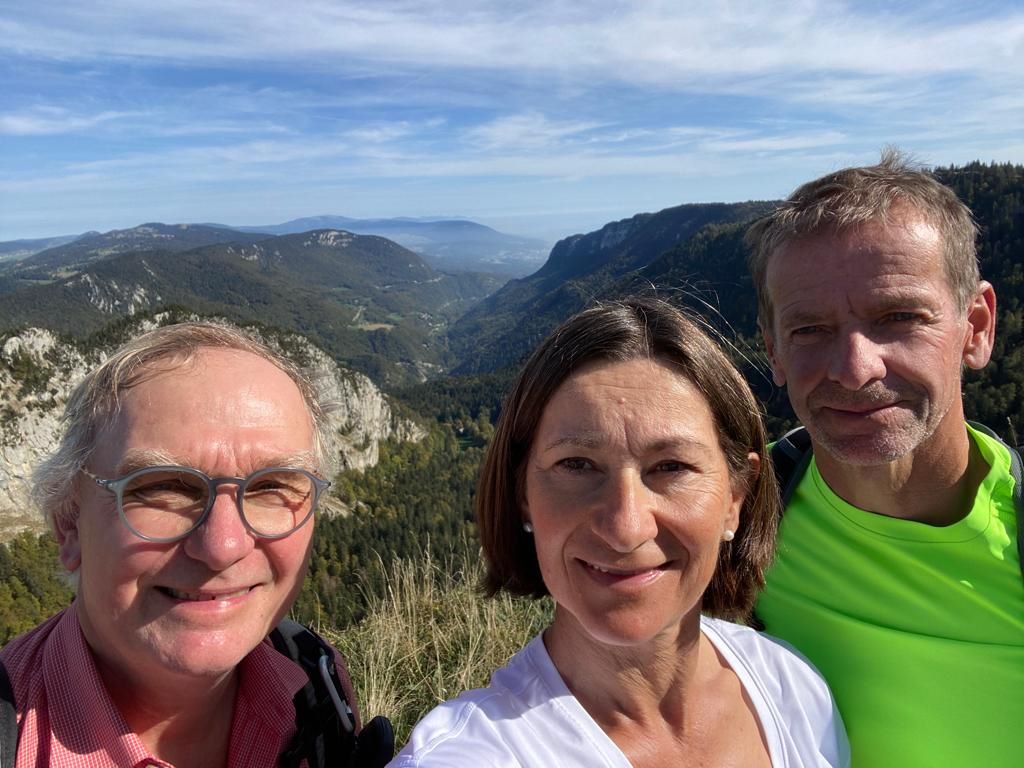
(67, 719)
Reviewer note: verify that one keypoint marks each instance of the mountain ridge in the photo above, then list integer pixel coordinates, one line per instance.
(581, 268)
(372, 303)
(448, 244)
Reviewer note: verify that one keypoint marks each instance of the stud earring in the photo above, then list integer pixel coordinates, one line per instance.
(728, 534)
(528, 526)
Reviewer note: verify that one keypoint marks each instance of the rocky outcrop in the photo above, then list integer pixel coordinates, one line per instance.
(363, 415)
(38, 370)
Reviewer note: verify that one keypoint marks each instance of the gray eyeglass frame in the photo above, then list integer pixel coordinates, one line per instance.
(117, 485)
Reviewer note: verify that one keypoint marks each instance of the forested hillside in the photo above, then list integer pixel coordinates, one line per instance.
(995, 193)
(501, 330)
(374, 305)
(708, 273)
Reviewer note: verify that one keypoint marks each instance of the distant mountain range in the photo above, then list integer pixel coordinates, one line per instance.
(451, 245)
(11, 250)
(446, 244)
(97, 246)
(367, 300)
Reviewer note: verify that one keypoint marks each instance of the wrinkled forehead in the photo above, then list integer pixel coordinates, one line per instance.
(905, 239)
(215, 394)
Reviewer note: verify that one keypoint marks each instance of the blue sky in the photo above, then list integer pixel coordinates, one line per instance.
(541, 118)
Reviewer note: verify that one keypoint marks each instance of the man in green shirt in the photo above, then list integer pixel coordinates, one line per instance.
(897, 571)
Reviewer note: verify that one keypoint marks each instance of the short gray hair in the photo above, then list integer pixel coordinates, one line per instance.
(96, 400)
(852, 197)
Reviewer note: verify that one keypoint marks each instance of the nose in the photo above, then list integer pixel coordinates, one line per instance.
(856, 361)
(626, 518)
(222, 539)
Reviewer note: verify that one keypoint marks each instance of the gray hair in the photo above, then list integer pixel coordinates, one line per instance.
(95, 402)
(852, 197)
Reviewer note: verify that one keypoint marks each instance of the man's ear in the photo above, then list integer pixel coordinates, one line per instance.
(65, 529)
(981, 323)
(778, 375)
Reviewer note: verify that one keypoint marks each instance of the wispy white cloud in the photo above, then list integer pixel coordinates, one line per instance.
(48, 121)
(777, 143)
(530, 130)
(384, 133)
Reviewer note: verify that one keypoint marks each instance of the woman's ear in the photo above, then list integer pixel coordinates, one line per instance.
(741, 490)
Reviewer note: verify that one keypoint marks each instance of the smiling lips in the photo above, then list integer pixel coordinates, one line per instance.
(863, 402)
(178, 594)
(865, 410)
(623, 575)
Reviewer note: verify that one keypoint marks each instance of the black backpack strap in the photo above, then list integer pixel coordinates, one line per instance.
(1017, 472)
(325, 731)
(325, 716)
(790, 457)
(8, 721)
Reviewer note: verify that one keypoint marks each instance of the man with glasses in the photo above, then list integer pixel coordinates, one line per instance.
(182, 496)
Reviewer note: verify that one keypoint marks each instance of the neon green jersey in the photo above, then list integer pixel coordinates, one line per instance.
(919, 630)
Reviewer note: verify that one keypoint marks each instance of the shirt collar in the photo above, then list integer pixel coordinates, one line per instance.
(84, 719)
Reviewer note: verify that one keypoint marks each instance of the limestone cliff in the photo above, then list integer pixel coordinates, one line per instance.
(38, 370)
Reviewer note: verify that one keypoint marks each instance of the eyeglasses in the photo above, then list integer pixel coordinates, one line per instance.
(166, 503)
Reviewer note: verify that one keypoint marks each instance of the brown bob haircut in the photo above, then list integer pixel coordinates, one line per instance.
(619, 332)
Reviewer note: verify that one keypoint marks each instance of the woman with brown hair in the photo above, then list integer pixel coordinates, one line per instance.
(628, 479)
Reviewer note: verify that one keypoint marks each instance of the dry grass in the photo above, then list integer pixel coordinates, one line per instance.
(430, 638)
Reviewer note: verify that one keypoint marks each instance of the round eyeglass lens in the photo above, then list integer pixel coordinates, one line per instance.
(277, 501)
(164, 503)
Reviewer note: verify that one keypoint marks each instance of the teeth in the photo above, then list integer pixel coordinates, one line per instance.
(619, 572)
(203, 596)
(599, 569)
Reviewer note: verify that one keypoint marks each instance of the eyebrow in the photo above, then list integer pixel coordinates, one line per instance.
(594, 441)
(883, 301)
(908, 298)
(800, 317)
(140, 459)
(576, 441)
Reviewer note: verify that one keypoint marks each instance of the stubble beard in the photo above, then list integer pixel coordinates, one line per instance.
(914, 420)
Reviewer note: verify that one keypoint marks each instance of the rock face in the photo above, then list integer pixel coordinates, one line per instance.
(38, 371)
(363, 416)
